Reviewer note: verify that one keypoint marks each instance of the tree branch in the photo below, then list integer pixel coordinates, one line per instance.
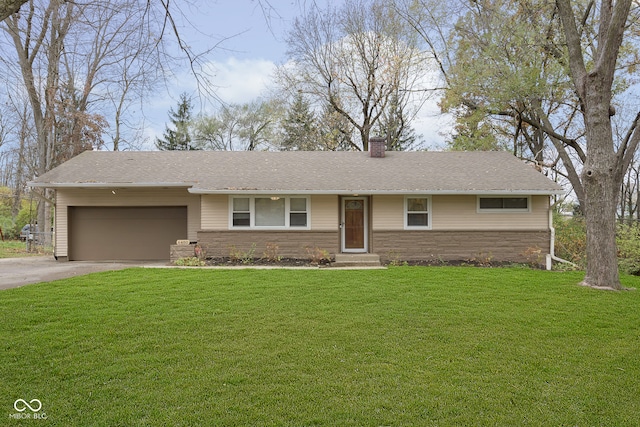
(546, 128)
(629, 146)
(9, 7)
(572, 36)
(610, 35)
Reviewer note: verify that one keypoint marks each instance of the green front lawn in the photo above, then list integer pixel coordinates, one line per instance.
(407, 346)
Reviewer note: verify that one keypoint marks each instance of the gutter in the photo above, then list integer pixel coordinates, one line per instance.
(370, 192)
(552, 256)
(34, 184)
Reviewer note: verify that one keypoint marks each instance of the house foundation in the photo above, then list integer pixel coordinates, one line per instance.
(287, 244)
(390, 246)
(482, 246)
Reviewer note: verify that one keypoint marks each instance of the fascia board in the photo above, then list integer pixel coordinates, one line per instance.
(348, 192)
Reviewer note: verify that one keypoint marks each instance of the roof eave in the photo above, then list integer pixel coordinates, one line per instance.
(350, 192)
(108, 184)
(340, 192)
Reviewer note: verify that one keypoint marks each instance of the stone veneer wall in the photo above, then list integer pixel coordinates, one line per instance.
(505, 246)
(508, 246)
(181, 251)
(290, 244)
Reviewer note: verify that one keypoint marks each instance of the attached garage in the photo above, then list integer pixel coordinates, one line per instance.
(124, 233)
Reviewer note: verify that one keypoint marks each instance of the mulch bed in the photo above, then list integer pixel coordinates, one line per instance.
(282, 262)
(295, 262)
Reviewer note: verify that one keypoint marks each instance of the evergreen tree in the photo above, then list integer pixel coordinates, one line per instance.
(300, 131)
(394, 123)
(178, 138)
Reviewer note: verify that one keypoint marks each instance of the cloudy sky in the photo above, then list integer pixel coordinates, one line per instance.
(250, 44)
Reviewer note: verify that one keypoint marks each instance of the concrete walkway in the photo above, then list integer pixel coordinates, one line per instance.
(16, 272)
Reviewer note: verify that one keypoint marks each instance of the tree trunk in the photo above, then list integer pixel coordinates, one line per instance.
(19, 184)
(600, 214)
(604, 168)
(7, 7)
(601, 181)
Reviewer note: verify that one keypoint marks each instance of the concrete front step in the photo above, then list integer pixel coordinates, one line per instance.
(356, 260)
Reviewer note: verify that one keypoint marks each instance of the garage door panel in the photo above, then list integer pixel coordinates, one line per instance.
(125, 233)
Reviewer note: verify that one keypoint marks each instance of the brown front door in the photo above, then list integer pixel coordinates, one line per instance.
(354, 228)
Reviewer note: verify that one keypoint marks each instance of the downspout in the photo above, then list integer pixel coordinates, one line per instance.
(552, 255)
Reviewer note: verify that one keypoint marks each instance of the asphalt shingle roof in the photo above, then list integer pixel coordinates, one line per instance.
(303, 172)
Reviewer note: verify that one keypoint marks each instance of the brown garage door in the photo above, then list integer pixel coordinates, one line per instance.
(131, 233)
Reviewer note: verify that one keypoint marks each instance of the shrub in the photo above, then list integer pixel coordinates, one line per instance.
(535, 256)
(628, 240)
(8, 226)
(199, 252)
(394, 258)
(271, 253)
(482, 259)
(571, 242)
(317, 255)
(247, 257)
(190, 262)
(571, 239)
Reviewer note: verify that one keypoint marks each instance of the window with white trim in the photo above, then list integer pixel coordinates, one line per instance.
(416, 212)
(504, 204)
(298, 212)
(241, 216)
(269, 212)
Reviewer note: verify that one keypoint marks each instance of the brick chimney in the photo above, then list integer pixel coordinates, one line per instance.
(377, 146)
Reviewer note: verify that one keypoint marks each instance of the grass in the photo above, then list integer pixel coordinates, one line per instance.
(15, 248)
(407, 346)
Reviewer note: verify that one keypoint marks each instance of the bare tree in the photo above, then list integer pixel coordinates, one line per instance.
(355, 59)
(216, 132)
(244, 127)
(71, 57)
(116, 57)
(630, 194)
(257, 123)
(25, 138)
(38, 36)
(336, 132)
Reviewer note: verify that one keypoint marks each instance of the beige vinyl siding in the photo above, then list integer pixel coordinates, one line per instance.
(325, 212)
(215, 212)
(123, 197)
(387, 212)
(459, 213)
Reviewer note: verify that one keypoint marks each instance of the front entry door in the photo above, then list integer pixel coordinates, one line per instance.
(354, 224)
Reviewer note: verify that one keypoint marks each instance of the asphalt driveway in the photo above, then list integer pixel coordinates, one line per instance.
(15, 272)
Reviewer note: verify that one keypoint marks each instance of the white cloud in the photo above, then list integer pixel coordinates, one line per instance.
(434, 128)
(242, 80)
